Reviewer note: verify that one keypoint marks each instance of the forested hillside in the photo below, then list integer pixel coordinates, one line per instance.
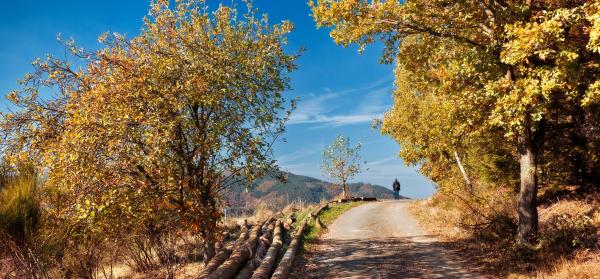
(276, 193)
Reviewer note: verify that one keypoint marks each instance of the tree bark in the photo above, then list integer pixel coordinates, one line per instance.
(239, 257)
(263, 245)
(462, 169)
(528, 215)
(224, 254)
(266, 266)
(209, 228)
(285, 265)
(209, 250)
(283, 269)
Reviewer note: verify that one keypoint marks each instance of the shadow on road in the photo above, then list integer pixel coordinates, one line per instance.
(406, 257)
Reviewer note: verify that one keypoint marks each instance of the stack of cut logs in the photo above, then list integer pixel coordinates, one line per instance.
(256, 252)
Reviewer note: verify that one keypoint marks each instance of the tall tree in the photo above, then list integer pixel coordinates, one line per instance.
(491, 64)
(341, 162)
(156, 126)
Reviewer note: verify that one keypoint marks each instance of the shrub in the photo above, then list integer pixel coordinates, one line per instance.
(566, 233)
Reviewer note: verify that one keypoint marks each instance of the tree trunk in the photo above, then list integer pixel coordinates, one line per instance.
(344, 192)
(462, 170)
(528, 215)
(285, 265)
(209, 237)
(208, 221)
(239, 257)
(263, 245)
(209, 250)
(266, 266)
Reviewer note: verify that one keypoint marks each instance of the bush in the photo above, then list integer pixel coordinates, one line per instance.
(566, 233)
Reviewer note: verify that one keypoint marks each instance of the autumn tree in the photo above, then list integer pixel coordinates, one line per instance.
(341, 162)
(150, 130)
(512, 69)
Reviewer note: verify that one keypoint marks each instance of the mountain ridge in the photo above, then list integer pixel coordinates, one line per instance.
(275, 193)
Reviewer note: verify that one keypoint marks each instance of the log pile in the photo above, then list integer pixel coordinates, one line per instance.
(238, 257)
(255, 253)
(261, 250)
(356, 199)
(267, 264)
(223, 254)
(285, 264)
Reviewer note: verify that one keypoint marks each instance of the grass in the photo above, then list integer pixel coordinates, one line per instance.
(19, 205)
(327, 217)
(312, 234)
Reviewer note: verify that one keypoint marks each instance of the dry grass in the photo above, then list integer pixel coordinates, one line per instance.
(439, 220)
(191, 268)
(568, 247)
(583, 265)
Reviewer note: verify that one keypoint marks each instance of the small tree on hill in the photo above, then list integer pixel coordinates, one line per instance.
(341, 161)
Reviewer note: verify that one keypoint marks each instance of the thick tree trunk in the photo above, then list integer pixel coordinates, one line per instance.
(209, 221)
(528, 215)
(209, 250)
(209, 237)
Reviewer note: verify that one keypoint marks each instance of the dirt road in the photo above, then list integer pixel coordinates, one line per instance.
(380, 240)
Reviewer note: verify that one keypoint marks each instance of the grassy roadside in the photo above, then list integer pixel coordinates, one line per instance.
(313, 233)
(327, 217)
(501, 258)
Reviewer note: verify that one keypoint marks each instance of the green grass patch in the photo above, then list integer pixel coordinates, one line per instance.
(301, 215)
(327, 217)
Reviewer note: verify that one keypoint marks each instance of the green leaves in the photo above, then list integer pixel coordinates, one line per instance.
(341, 161)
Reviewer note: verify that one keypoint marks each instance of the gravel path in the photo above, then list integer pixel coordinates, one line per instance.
(380, 240)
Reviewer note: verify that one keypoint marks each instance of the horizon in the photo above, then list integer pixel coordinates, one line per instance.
(340, 90)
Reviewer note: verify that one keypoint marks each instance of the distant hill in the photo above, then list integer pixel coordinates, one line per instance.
(298, 187)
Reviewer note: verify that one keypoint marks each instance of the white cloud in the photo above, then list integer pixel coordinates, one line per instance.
(301, 153)
(382, 161)
(318, 110)
(336, 120)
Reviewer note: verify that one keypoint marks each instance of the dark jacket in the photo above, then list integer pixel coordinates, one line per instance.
(396, 185)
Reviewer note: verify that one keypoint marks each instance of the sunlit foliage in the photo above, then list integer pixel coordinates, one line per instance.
(342, 161)
(149, 130)
(478, 78)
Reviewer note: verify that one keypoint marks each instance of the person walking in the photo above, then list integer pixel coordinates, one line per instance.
(396, 188)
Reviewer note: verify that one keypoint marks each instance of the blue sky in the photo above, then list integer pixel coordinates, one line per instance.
(341, 91)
